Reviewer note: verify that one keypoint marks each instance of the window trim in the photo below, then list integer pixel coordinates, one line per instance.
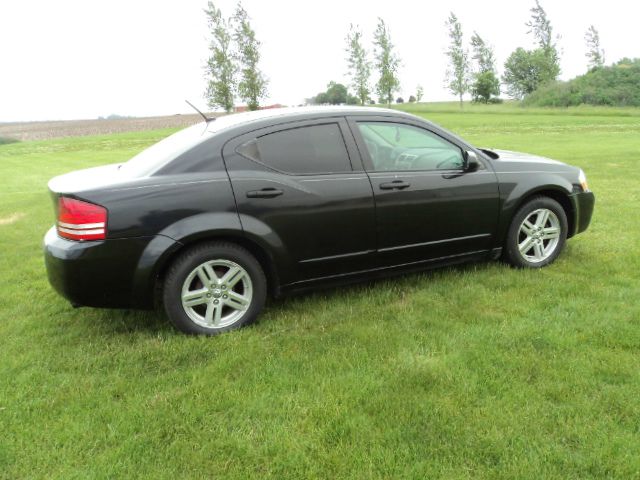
(340, 122)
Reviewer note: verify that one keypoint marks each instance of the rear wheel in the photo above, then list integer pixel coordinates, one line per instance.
(214, 288)
(537, 233)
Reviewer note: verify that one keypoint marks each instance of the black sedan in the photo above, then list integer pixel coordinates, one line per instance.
(212, 219)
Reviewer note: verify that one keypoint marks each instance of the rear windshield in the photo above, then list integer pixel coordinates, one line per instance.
(158, 155)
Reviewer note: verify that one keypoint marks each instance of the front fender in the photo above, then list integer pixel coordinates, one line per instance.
(514, 190)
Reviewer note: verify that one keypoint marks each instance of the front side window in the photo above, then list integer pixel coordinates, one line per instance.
(397, 146)
(302, 150)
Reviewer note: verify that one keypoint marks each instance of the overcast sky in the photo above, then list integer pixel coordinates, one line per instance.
(69, 59)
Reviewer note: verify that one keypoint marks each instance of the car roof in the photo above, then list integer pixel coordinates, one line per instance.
(225, 122)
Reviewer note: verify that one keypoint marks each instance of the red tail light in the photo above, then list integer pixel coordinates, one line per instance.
(78, 220)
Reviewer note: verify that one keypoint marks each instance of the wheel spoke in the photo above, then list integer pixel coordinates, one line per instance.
(217, 316)
(525, 246)
(213, 315)
(233, 276)
(208, 316)
(538, 251)
(527, 227)
(237, 301)
(207, 275)
(195, 297)
(542, 219)
(550, 232)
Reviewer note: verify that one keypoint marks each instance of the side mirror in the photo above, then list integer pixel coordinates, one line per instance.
(470, 161)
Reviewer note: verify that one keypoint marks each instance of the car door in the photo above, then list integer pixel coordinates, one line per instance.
(297, 184)
(427, 206)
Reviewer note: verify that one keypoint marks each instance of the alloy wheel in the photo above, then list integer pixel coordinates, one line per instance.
(539, 235)
(217, 293)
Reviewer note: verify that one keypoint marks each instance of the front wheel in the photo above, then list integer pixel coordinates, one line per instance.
(214, 288)
(537, 233)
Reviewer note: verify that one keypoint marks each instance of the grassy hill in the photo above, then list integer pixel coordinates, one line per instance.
(615, 85)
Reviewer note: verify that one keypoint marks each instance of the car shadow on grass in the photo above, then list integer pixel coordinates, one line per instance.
(405, 281)
(115, 322)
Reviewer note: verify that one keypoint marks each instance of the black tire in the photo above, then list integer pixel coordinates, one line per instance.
(512, 253)
(184, 267)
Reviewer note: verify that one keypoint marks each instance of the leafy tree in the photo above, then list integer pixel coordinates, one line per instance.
(595, 54)
(412, 99)
(336, 94)
(359, 65)
(220, 67)
(485, 80)
(252, 85)
(540, 27)
(485, 86)
(419, 93)
(457, 77)
(482, 54)
(526, 70)
(399, 100)
(320, 99)
(387, 63)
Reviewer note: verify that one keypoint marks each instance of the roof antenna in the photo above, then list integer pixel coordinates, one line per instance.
(206, 119)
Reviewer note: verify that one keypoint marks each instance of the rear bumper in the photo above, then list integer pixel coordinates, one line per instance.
(583, 203)
(117, 273)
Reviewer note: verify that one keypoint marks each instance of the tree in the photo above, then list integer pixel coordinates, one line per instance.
(485, 86)
(457, 77)
(220, 68)
(485, 80)
(482, 54)
(336, 94)
(412, 99)
(358, 64)
(526, 70)
(252, 85)
(540, 27)
(419, 93)
(387, 63)
(595, 54)
(399, 100)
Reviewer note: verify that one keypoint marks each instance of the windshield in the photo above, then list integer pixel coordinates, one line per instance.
(161, 153)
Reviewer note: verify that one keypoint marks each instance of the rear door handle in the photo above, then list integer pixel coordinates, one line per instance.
(395, 185)
(264, 193)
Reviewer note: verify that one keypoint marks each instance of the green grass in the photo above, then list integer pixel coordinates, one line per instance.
(479, 371)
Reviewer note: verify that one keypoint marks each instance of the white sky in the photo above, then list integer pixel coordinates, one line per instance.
(69, 59)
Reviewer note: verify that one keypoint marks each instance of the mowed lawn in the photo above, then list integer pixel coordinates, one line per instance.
(480, 371)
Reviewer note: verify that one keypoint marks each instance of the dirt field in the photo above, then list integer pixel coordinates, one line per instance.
(71, 128)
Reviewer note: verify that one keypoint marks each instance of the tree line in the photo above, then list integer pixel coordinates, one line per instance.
(233, 67)
(524, 70)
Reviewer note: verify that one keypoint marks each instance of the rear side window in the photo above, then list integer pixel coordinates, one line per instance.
(302, 150)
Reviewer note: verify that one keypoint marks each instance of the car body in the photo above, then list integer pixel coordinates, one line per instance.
(317, 195)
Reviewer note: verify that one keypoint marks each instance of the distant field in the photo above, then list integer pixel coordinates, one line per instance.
(480, 371)
(23, 131)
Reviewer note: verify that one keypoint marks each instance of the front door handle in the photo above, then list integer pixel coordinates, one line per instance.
(395, 185)
(264, 193)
